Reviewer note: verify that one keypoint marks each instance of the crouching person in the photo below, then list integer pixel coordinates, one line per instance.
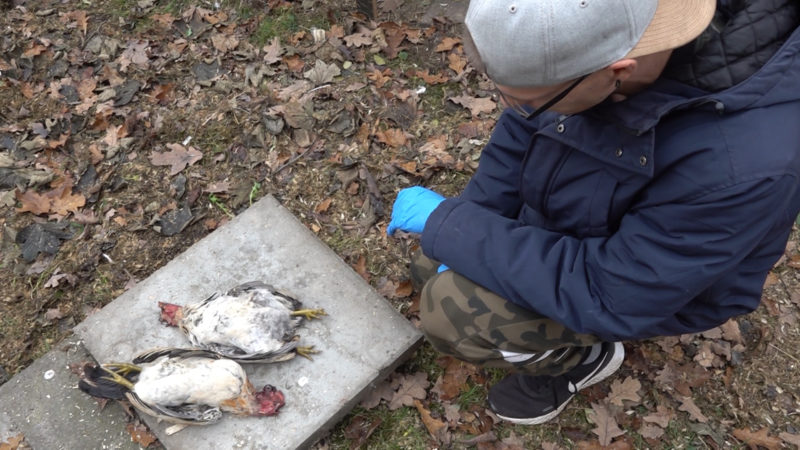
(641, 182)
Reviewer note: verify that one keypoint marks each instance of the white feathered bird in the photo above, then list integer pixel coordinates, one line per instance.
(253, 322)
(185, 386)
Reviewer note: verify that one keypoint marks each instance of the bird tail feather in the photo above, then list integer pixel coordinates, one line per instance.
(96, 382)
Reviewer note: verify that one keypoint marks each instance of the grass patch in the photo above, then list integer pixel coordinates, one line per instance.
(280, 22)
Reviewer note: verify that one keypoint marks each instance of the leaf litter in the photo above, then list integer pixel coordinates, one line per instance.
(304, 115)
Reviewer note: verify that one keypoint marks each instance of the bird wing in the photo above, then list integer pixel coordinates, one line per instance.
(189, 414)
(154, 354)
(284, 353)
(286, 297)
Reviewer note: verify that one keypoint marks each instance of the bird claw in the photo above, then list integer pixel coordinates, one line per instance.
(310, 313)
(115, 374)
(306, 352)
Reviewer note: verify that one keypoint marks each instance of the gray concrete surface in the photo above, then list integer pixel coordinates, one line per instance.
(360, 341)
(43, 403)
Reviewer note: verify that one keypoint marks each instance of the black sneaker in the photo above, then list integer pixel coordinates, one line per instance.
(531, 400)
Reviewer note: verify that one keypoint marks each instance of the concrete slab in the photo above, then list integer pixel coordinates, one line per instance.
(43, 403)
(360, 341)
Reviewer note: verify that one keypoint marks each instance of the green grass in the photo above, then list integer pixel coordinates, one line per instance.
(280, 22)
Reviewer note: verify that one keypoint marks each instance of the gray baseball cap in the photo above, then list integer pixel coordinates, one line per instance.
(546, 42)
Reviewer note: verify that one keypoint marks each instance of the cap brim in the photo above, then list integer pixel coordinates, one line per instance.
(675, 23)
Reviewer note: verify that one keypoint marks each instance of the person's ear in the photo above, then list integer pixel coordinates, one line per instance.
(623, 69)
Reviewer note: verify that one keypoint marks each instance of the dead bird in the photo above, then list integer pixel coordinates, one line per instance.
(251, 323)
(184, 386)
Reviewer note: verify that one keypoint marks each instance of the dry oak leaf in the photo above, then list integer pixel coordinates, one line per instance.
(651, 431)
(273, 51)
(80, 20)
(58, 200)
(456, 62)
(383, 391)
(436, 427)
(661, 417)
(358, 39)
(177, 158)
(411, 387)
(435, 152)
(12, 443)
(624, 390)
(447, 44)
(431, 78)
(393, 137)
(606, 427)
(223, 42)
(322, 73)
(476, 105)
(688, 405)
(757, 439)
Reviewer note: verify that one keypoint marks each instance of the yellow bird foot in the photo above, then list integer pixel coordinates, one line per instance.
(306, 352)
(309, 313)
(116, 377)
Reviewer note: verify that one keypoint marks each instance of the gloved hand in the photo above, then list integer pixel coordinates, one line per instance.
(412, 208)
(442, 268)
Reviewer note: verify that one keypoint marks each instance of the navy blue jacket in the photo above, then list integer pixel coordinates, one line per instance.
(658, 215)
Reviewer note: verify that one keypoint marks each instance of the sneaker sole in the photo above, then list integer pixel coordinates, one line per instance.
(613, 365)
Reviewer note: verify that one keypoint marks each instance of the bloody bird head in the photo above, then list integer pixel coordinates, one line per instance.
(170, 314)
(269, 400)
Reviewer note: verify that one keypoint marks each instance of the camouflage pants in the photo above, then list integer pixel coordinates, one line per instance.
(471, 323)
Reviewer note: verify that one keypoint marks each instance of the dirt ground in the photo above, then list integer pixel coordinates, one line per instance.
(131, 129)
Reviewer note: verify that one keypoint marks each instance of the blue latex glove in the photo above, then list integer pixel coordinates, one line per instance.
(412, 208)
(442, 268)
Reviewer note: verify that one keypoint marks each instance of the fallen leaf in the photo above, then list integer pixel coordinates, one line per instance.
(688, 405)
(447, 44)
(457, 62)
(177, 158)
(273, 51)
(476, 105)
(436, 427)
(140, 434)
(651, 431)
(625, 390)
(411, 387)
(705, 356)
(361, 267)
(60, 200)
(322, 73)
(661, 417)
(224, 43)
(135, 53)
(55, 280)
(455, 378)
(393, 137)
(40, 238)
(731, 331)
(435, 152)
(431, 78)
(294, 63)
(13, 442)
(606, 427)
(323, 205)
(53, 314)
(360, 429)
(358, 39)
(383, 391)
(760, 438)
